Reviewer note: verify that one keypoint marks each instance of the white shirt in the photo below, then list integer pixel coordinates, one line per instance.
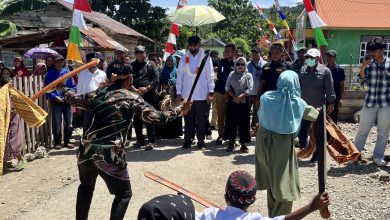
(231, 213)
(185, 80)
(89, 82)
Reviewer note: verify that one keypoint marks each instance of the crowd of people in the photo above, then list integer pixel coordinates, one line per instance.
(275, 100)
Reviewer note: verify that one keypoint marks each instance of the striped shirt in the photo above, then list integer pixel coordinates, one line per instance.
(378, 82)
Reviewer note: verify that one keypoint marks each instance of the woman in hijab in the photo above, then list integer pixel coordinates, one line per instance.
(280, 116)
(40, 69)
(168, 207)
(239, 86)
(20, 70)
(167, 79)
(15, 135)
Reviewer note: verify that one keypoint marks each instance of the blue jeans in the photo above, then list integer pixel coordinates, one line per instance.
(368, 117)
(59, 111)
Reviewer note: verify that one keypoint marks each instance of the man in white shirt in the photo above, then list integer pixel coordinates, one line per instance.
(241, 193)
(88, 81)
(203, 93)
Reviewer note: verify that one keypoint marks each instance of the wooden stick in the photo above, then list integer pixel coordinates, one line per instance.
(45, 89)
(180, 189)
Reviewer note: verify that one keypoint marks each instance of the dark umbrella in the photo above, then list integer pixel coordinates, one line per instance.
(40, 53)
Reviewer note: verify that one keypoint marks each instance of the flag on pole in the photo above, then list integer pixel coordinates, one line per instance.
(316, 24)
(284, 20)
(78, 23)
(271, 25)
(173, 33)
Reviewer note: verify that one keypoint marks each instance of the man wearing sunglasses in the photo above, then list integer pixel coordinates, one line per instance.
(376, 73)
(316, 89)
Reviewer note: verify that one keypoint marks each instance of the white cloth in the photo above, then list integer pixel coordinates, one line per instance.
(231, 213)
(89, 82)
(185, 80)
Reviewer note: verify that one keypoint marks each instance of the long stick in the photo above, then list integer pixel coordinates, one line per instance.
(180, 189)
(41, 92)
(321, 146)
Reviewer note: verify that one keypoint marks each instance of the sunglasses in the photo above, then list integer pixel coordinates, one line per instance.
(240, 64)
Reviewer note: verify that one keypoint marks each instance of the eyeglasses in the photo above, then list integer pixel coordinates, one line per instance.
(240, 64)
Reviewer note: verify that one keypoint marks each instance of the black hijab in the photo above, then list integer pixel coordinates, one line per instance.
(4, 79)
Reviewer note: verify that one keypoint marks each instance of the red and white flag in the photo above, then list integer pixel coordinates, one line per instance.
(173, 34)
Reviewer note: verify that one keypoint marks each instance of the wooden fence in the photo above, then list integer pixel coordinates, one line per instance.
(35, 137)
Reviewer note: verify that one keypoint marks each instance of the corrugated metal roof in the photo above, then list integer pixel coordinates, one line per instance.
(102, 39)
(106, 22)
(357, 14)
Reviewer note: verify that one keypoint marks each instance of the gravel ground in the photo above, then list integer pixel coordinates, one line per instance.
(47, 188)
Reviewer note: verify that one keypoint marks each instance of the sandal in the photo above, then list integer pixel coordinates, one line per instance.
(20, 165)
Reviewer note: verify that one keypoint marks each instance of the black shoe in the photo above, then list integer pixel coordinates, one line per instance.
(219, 140)
(138, 144)
(212, 128)
(244, 148)
(230, 147)
(150, 146)
(201, 144)
(187, 144)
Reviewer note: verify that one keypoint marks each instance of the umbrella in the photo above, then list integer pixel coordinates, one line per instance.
(195, 15)
(40, 53)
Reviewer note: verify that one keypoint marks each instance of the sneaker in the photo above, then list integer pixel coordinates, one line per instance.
(219, 140)
(230, 147)
(209, 137)
(187, 144)
(244, 148)
(150, 146)
(138, 144)
(201, 144)
(380, 162)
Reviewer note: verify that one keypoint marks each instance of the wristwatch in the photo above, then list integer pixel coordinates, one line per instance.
(211, 94)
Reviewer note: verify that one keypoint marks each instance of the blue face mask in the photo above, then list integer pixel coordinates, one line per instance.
(310, 62)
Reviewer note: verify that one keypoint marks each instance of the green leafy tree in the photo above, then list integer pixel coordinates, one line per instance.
(139, 15)
(241, 44)
(240, 22)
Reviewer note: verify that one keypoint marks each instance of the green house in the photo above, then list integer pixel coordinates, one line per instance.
(350, 25)
(214, 43)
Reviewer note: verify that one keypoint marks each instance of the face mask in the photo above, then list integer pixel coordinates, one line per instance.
(310, 62)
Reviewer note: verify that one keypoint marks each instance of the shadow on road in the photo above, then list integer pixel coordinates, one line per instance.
(362, 169)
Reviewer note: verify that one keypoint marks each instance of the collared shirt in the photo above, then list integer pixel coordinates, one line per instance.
(270, 74)
(256, 69)
(378, 82)
(89, 82)
(338, 75)
(186, 79)
(317, 86)
(118, 67)
(225, 67)
(145, 74)
(297, 66)
(52, 75)
(231, 213)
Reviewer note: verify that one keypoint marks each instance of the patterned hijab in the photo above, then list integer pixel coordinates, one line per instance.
(282, 110)
(168, 75)
(21, 71)
(241, 189)
(38, 67)
(168, 207)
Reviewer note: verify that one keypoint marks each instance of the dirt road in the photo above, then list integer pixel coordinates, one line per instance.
(47, 188)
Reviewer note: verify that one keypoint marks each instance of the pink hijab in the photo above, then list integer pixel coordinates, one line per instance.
(38, 67)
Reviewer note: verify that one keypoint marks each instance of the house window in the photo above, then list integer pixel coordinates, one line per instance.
(363, 46)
